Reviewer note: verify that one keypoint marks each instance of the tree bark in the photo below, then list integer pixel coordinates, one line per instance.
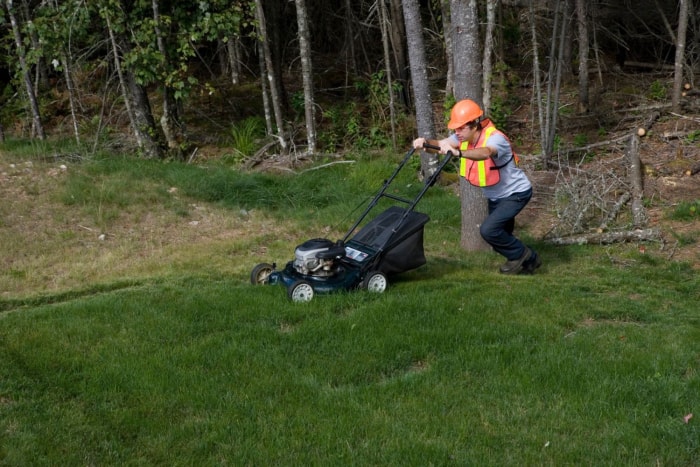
(169, 121)
(491, 6)
(467, 43)
(538, 80)
(397, 30)
(135, 98)
(270, 75)
(449, 51)
(639, 217)
(468, 82)
(307, 76)
(583, 48)
(604, 238)
(556, 70)
(419, 77)
(22, 57)
(385, 25)
(680, 55)
(67, 66)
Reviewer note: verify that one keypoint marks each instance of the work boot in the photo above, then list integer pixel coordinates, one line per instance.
(514, 266)
(531, 264)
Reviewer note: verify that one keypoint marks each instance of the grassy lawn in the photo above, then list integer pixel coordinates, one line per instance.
(593, 361)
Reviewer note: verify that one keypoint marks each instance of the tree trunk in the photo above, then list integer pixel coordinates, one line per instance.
(169, 121)
(267, 105)
(568, 40)
(385, 25)
(397, 30)
(21, 55)
(583, 48)
(468, 82)
(680, 55)
(67, 66)
(41, 70)
(350, 38)
(554, 81)
(465, 40)
(307, 76)
(491, 6)
(135, 99)
(538, 81)
(449, 51)
(234, 58)
(419, 77)
(269, 73)
(639, 216)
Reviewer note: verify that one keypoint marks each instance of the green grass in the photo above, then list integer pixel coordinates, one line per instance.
(592, 361)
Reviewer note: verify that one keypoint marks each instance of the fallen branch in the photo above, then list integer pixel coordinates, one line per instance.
(622, 200)
(604, 238)
(685, 117)
(326, 165)
(596, 145)
(258, 157)
(668, 135)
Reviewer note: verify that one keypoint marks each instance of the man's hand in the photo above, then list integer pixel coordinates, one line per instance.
(418, 143)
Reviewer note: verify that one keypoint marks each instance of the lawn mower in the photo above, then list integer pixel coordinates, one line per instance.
(389, 244)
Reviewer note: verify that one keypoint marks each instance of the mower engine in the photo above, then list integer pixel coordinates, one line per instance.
(318, 257)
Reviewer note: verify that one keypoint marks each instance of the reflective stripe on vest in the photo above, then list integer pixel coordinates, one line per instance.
(479, 173)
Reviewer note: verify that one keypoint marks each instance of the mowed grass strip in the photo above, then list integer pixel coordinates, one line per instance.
(435, 370)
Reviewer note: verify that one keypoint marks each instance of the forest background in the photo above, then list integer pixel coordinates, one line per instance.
(283, 83)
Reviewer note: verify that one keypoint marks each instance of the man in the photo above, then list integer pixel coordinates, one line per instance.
(487, 160)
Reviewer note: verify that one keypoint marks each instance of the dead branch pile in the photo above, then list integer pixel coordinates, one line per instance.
(590, 199)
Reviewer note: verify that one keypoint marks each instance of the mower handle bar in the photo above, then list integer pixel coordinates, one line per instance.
(437, 148)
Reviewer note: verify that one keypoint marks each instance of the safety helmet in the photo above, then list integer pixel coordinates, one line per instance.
(463, 112)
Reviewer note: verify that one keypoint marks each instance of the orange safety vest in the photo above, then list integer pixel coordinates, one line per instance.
(486, 172)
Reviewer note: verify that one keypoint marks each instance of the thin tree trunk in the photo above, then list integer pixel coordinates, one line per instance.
(557, 87)
(169, 121)
(680, 55)
(21, 55)
(385, 25)
(267, 106)
(397, 34)
(123, 84)
(270, 74)
(42, 74)
(538, 82)
(419, 77)
(639, 216)
(350, 39)
(307, 75)
(67, 66)
(449, 52)
(583, 47)
(491, 6)
(233, 57)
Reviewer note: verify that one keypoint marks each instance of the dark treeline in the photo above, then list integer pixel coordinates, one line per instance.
(168, 75)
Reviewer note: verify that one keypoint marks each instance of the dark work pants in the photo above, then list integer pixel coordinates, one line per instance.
(497, 229)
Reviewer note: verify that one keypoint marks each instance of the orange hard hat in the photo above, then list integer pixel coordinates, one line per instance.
(463, 112)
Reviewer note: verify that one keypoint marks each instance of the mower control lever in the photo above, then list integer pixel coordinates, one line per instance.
(437, 148)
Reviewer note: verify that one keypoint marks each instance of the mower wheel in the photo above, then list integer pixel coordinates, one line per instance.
(260, 273)
(375, 281)
(300, 291)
